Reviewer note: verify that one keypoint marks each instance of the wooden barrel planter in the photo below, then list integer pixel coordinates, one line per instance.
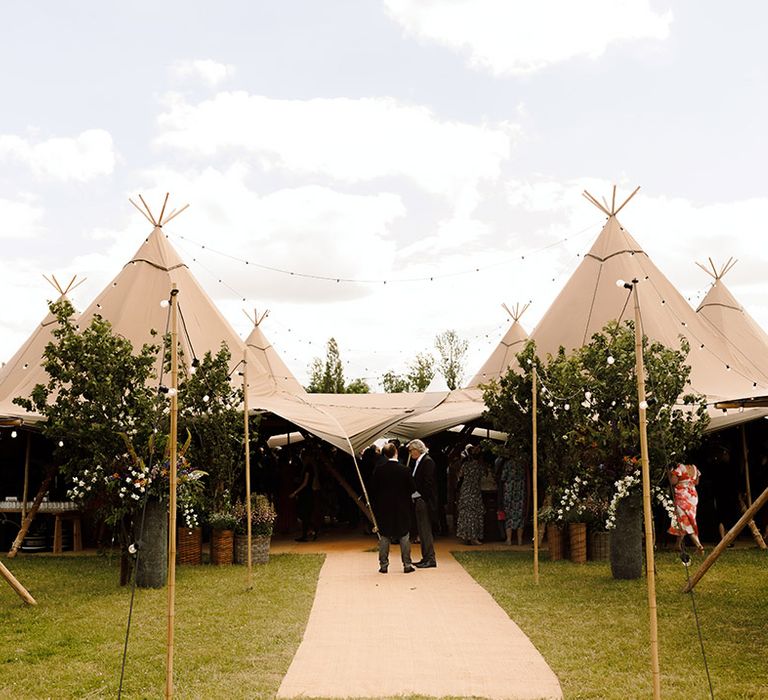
(555, 542)
(189, 545)
(577, 537)
(600, 545)
(259, 549)
(222, 547)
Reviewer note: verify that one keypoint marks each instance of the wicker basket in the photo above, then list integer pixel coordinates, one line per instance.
(600, 546)
(555, 542)
(222, 547)
(577, 536)
(189, 545)
(259, 549)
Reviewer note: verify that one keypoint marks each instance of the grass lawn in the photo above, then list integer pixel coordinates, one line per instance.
(229, 642)
(593, 630)
(233, 643)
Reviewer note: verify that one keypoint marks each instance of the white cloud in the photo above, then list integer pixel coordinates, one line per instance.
(345, 139)
(307, 229)
(81, 158)
(512, 38)
(211, 72)
(19, 219)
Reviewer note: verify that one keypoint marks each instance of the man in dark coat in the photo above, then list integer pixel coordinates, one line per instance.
(425, 503)
(393, 487)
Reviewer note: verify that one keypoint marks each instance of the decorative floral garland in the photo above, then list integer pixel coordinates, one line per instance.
(623, 488)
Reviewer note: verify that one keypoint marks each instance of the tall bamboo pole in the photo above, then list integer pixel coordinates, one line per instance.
(247, 466)
(535, 469)
(646, 472)
(172, 494)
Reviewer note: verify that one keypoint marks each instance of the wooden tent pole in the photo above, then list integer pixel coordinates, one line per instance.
(23, 592)
(25, 494)
(745, 458)
(25, 524)
(172, 471)
(535, 471)
(730, 536)
(649, 557)
(247, 467)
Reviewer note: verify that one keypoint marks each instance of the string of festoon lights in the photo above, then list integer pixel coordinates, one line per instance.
(482, 338)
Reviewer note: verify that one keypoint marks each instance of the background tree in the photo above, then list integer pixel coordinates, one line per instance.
(421, 372)
(589, 420)
(97, 402)
(394, 383)
(358, 386)
(451, 351)
(210, 408)
(97, 389)
(327, 377)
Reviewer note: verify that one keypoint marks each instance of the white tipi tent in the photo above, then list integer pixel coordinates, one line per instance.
(503, 357)
(281, 377)
(724, 313)
(591, 298)
(23, 371)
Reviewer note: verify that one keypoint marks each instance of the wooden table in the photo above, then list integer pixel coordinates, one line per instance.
(68, 512)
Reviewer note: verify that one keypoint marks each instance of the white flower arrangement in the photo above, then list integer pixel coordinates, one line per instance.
(623, 488)
(571, 502)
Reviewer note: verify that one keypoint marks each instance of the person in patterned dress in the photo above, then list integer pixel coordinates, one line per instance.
(684, 478)
(513, 485)
(470, 521)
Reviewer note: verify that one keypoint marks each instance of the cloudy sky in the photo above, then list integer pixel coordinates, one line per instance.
(428, 154)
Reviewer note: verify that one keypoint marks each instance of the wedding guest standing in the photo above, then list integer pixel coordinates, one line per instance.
(392, 488)
(684, 478)
(425, 502)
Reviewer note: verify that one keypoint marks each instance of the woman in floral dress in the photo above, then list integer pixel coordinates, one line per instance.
(513, 484)
(469, 526)
(684, 478)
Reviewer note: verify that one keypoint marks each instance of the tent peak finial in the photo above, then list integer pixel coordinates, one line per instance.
(517, 312)
(612, 209)
(63, 291)
(163, 219)
(714, 272)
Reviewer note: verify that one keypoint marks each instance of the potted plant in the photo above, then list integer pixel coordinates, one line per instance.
(223, 523)
(263, 517)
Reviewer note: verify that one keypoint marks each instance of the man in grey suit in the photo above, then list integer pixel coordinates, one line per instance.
(425, 502)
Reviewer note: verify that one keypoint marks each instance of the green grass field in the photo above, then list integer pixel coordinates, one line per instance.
(233, 643)
(229, 642)
(594, 630)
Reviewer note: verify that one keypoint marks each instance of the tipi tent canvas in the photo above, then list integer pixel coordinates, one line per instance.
(727, 316)
(591, 298)
(504, 356)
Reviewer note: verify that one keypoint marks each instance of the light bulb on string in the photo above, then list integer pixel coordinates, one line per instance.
(13, 433)
(164, 304)
(61, 443)
(206, 398)
(610, 360)
(643, 405)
